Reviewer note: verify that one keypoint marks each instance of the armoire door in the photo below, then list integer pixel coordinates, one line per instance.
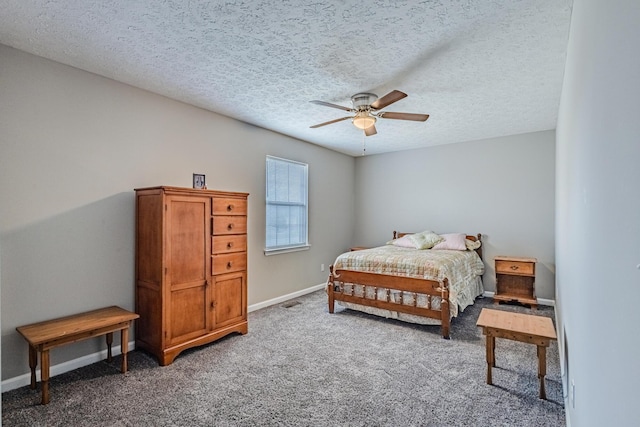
(188, 266)
(230, 298)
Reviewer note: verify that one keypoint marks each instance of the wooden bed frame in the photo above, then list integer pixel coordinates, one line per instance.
(399, 283)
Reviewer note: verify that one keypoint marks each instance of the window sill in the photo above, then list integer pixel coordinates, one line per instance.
(269, 252)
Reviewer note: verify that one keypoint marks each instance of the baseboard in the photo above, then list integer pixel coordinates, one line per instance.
(283, 298)
(61, 368)
(70, 365)
(541, 301)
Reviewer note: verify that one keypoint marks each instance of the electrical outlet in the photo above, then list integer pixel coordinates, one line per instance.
(321, 267)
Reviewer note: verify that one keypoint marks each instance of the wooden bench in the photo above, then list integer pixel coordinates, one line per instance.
(525, 328)
(44, 336)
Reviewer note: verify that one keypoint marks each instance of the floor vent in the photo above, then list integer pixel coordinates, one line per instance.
(290, 304)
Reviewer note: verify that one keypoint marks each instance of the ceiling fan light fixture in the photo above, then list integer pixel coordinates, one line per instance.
(363, 120)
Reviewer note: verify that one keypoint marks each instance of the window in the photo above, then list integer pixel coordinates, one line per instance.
(287, 212)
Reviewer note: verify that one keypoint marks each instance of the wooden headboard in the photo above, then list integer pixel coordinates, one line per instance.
(477, 237)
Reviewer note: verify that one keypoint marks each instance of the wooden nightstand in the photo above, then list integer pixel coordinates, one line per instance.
(515, 279)
(357, 248)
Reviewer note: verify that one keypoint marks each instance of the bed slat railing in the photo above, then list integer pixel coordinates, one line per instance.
(336, 291)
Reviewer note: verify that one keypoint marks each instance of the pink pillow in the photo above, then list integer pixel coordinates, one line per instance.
(404, 242)
(453, 241)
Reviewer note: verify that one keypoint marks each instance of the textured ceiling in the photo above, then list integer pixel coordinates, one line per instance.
(480, 68)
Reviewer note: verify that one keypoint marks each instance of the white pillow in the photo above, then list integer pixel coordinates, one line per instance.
(472, 245)
(452, 241)
(424, 240)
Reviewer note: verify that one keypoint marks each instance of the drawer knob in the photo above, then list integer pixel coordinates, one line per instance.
(229, 245)
(514, 267)
(230, 227)
(229, 208)
(229, 264)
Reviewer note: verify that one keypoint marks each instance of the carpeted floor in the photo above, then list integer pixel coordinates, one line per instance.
(301, 366)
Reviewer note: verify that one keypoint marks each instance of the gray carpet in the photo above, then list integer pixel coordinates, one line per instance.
(301, 366)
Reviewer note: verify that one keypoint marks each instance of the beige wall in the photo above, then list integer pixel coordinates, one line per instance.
(501, 187)
(74, 146)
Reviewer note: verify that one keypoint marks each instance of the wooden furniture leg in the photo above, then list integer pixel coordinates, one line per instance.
(109, 342)
(542, 369)
(33, 362)
(44, 372)
(124, 348)
(490, 343)
(493, 351)
(331, 299)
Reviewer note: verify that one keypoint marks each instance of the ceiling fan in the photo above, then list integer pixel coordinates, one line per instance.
(367, 106)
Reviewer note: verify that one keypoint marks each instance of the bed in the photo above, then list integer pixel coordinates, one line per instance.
(426, 286)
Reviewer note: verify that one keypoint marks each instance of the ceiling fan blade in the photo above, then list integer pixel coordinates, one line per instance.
(404, 116)
(330, 122)
(371, 130)
(388, 99)
(328, 104)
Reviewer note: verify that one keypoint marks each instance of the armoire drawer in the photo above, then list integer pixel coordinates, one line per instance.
(229, 243)
(224, 224)
(228, 206)
(228, 263)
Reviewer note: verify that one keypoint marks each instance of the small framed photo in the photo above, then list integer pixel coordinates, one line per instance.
(198, 181)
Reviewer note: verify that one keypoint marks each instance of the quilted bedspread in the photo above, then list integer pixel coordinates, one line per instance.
(461, 268)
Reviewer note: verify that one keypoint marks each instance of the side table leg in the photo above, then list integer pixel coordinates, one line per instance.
(45, 376)
(490, 344)
(109, 342)
(542, 369)
(33, 362)
(493, 351)
(124, 347)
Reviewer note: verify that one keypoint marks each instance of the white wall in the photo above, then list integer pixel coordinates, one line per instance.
(501, 187)
(598, 214)
(75, 145)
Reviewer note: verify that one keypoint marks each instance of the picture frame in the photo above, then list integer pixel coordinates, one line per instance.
(199, 181)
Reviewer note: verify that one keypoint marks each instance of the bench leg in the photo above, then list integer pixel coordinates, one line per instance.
(542, 369)
(33, 362)
(109, 342)
(124, 347)
(44, 372)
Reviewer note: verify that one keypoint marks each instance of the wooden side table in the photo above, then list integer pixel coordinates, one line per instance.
(521, 327)
(515, 280)
(357, 248)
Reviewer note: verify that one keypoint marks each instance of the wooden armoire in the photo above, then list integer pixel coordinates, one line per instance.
(191, 268)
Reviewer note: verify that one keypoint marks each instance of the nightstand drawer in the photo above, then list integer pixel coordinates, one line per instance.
(523, 268)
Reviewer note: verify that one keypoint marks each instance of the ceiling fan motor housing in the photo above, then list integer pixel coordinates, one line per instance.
(362, 101)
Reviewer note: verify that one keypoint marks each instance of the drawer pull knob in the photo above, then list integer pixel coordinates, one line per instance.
(229, 264)
(229, 208)
(229, 245)
(230, 227)
(514, 267)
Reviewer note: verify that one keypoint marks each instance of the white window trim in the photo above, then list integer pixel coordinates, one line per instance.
(275, 251)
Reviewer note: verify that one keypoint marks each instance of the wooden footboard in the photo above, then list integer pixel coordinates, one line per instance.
(431, 288)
